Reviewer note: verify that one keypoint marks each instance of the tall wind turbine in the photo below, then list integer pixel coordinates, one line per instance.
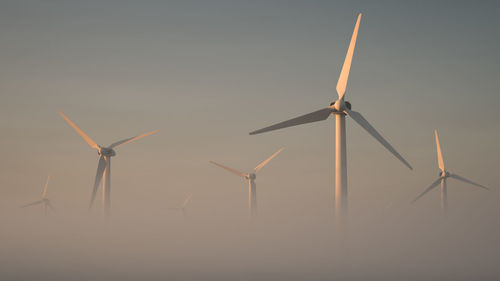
(183, 207)
(443, 176)
(44, 201)
(104, 165)
(252, 187)
(340, 109)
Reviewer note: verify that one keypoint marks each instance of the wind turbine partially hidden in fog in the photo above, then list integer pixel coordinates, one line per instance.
(340, 109)
(45, 201)
(183, 207)
(104, 165)
(252, 187)
(443, 175)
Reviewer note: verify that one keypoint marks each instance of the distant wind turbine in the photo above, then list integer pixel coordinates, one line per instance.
(340, 109)
(183, 207)
(443, 176)
(252, 187)
(44, 201)
(104, 165)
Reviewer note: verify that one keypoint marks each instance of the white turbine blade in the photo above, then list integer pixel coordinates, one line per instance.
(433, 185)
(236, 172)
(125, 141)
(45, 187)
(356, 116)
(263, 163)
(98, 177)
(31, 204)
(187, 200)
(344, 74)
(315, 116)
(90, 141)
(455, 176)
(439, 152)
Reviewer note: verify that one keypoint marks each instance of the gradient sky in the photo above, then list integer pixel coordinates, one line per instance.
(208, 72)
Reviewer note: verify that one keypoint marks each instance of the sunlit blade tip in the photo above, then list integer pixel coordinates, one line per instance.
(236, 172)
(263, 163)
(45, 187)
(187, 200)
(346, 68)
(90, 141)
(129, 140)
(439, 152)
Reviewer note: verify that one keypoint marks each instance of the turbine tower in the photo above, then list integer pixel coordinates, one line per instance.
(340, 109)
(183, 207)
(252, 187)
(104, 165)
(443, 176)
(45, 201)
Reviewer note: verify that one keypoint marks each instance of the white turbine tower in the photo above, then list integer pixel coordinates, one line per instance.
(45, 201)
(252, 187)
(104, 165)
(443, 176)
(183, 207)
(340, 109)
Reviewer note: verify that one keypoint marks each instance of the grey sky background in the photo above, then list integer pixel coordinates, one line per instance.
(208, 72)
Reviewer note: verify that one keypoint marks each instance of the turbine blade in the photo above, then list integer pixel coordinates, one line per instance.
(98, 177)
(344, 74)
(263, 163)
(315, 116)
(439, 152)
(31, 204)
(356, 116)
(90, 141)
(45, 187)
(455, 176)
(125, 141)
(433, 185)
(51, 207)
(187, 200)
(236, 172)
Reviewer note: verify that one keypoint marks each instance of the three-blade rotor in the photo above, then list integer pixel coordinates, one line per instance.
(339, 107)
(45, 201)
(255, 170)
(444, 175)
(105, 152)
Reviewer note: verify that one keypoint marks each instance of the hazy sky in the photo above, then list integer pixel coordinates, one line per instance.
(206, 73)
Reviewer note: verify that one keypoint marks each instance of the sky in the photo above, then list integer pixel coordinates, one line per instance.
(205, 73)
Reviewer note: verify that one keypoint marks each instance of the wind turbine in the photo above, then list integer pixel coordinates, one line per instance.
(183, 207)
(443, 176)
(340, 109)
(252, 187)
(45, 201)
(104, 165)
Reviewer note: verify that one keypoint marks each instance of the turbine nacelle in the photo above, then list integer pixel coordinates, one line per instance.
(444, 174)
(106, 151)
(251, 176)
(340, 105)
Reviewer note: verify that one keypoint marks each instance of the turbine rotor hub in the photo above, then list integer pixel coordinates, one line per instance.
(444, 174)
(340, 105)
(252, 176)
(106, 151)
